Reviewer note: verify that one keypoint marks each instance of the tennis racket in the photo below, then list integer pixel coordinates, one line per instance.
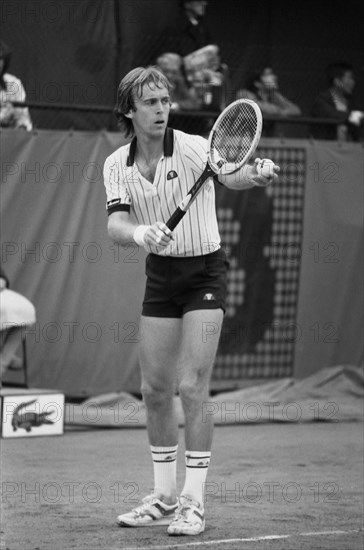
(232, 141)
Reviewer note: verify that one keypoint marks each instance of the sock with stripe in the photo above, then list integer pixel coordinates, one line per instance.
(197, 463)
(164, 465)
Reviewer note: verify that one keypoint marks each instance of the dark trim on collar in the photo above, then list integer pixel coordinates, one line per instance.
(130, 159)
(167, 146)
(168, 142)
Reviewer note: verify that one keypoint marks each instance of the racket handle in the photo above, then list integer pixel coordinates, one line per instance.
(175, 218)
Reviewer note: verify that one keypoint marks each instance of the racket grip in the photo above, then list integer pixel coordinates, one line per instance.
(175, 218)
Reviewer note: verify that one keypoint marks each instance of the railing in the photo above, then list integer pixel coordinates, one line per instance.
(198, 122)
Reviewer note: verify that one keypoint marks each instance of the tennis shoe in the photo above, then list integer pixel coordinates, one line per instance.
(189, 518)
(151, 512)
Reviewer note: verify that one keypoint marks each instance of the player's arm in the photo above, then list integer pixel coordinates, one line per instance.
(260, 174)
(123, 230)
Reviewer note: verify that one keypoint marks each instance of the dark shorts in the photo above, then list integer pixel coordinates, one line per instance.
(177, 285)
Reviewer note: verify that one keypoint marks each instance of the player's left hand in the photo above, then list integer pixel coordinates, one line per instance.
(251, 175)
(263, 172)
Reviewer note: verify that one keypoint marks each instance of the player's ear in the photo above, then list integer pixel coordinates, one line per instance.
(129, 114)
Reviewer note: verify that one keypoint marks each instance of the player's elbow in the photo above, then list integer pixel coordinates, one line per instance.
(111, 229)
(116, 228)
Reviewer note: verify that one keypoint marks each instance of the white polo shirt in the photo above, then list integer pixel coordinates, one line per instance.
(183, 161)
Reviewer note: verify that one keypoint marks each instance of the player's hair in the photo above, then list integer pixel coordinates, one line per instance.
(337, 70)
(132, 85)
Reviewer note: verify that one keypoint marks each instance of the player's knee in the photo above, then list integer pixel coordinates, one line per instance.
(155, 396)
(192, 390)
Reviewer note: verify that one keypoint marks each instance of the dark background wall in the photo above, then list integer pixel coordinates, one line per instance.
(76, 51)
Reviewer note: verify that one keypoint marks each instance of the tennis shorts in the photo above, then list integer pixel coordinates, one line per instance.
(177, 285)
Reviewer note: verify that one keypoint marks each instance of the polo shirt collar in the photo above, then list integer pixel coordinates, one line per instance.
(167, 146)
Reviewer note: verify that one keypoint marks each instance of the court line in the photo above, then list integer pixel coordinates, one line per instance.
(247, 539)
(338, 532)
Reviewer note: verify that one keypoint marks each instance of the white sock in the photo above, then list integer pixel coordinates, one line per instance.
(197, 463)
(165, 466)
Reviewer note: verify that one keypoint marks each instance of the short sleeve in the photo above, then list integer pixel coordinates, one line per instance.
(117, 195)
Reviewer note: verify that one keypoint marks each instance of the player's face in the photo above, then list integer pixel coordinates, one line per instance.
(152, 111)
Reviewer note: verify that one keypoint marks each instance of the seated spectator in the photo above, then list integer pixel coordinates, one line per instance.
(262, 87)
(182, 96)
(336, 103)
(11, 89)
(16, 313)
(207, 75)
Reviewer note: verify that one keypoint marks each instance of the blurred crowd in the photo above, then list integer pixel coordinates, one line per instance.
(11, 91)
(200, 81)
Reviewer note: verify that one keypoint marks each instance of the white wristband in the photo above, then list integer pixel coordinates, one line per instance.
(139, 234)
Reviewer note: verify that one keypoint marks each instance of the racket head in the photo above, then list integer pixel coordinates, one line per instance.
(235, 136)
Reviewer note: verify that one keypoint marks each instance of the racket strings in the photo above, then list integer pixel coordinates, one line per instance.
(234, 135)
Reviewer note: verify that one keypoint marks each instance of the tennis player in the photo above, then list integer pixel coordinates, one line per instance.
(184, 300)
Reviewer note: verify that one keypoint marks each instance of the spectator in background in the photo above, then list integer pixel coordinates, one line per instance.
(201, 55)
(16, 312)
(11, 89)
(182, 96)
(336, 103)
(262, 87)
(192, 31)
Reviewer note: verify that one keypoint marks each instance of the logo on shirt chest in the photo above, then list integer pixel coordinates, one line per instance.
(172, 174)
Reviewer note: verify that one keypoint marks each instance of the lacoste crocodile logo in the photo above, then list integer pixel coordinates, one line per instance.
(29, 420)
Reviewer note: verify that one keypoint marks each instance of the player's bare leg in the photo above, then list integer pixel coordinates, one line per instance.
(158, 350)
(200, 338)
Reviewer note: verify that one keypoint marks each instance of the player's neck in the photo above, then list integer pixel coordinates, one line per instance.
(148, 149)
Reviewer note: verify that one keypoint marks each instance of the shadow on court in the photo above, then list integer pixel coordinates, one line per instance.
(270, 486)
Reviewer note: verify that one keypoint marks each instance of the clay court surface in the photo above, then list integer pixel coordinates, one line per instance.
(270, 486)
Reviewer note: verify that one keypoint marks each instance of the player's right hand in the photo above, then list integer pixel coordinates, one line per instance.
(159, 235)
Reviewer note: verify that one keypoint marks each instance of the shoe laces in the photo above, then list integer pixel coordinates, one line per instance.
(186, 503)
(146, 502)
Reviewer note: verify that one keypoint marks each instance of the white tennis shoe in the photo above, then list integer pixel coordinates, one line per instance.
(189, 518)
(152, 511)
